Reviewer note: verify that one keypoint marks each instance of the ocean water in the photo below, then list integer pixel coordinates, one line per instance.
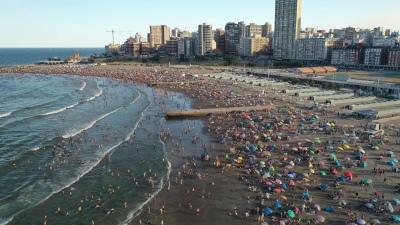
(22, 56)
(73, 142)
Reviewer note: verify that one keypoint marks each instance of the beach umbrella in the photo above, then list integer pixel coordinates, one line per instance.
(396, 201)
(291, 163)
(337, 163)
(376, 221)
(369, 205)
(291, 213)
(278, 175)
(329, 209)
(317, 207)
(348, 174)
(312, 170)
(391, 163)
(305, 195)
(272, 160)
(396, 218)
(346, 146)
(268, 211)
(394, 160)
(323, 173)
(324, 186)
(291, 175)
(367, 181)
(330, 147)
(288, 167)
(361, 221)
(291, 183)
(277, 204)
(320, 219)
(277, 190)
(304, 174)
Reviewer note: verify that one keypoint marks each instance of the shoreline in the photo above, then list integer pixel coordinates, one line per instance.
(228, 192)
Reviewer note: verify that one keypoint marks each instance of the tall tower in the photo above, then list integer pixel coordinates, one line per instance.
(159, 35)
(287, 28)
(233, 33)
(205, 38)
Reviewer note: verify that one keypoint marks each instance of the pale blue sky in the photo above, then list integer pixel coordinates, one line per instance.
(83, 23)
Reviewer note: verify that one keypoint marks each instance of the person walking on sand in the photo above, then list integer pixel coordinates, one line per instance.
(198, 212)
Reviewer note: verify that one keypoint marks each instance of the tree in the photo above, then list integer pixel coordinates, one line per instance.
(230, 59)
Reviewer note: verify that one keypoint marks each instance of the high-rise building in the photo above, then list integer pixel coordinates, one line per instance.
(253, 29)
(287, 28)
(175, 32)
(233, 33)
(266, 29)
(159, 35)
(205, 40)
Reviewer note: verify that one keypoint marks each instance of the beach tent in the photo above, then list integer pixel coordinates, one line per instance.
(342, 202)
(317, 207)
(329, 209)
(268, 211)
(363, 164)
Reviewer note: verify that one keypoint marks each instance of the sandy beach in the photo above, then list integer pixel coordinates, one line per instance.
(236, 184)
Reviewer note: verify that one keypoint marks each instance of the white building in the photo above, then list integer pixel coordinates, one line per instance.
(375, 56)
(316, 49)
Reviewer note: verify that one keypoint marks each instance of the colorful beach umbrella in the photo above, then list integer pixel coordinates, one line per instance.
(320, 219)
(291, 213)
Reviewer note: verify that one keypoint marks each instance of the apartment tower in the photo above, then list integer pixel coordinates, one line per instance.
(287, 28)
(205, 39)
(158, 36)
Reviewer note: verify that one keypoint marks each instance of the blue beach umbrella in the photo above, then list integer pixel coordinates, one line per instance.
(330, 147)
(324, 186)
(268, 211)
(394, 160)
(271, 160)
(391, 163)
(277, 204)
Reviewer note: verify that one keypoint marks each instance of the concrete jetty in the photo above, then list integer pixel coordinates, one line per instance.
(218, 111)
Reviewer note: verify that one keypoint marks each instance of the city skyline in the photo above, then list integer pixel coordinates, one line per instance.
(84, 23)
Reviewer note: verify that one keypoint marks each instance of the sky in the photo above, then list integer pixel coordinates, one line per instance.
(83, 23)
